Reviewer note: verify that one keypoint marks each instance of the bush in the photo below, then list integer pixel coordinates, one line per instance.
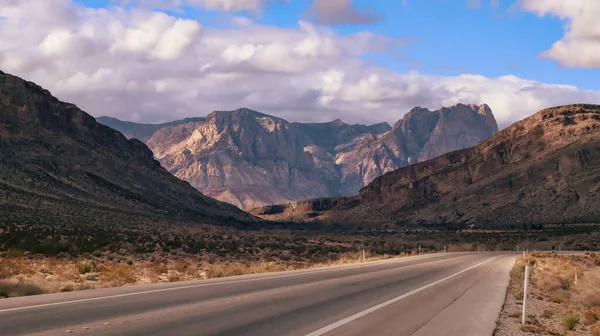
(118, 274)
(21, 288)
(589, 318)
(560, 296)
(86, 266)
(595, 330)
(225, 270)
(570, 321)
(548, 313)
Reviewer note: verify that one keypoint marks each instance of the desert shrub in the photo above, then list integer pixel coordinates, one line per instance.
(86, 266)
(595, 329)
(592, 300)
(547, 313)
(20, 288)
(560, 296)
(549, 283)
(225, 270)
(118, 274)
(570, 321)
(589, 317)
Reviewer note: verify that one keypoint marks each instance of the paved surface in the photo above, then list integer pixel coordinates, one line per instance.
(444, 294)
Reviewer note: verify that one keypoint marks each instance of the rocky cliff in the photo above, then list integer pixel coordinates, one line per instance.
(251, 159)
(58, 165)
(543, 169)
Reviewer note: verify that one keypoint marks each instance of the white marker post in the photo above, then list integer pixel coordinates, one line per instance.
(364, 257)
(419, 249)
(524, 317)
(477, 248)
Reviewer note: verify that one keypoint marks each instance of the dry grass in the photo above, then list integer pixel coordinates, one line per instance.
(23, 276)
(595, 329)
(562, 305)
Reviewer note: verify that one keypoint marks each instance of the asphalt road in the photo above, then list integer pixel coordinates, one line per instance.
(443, 294)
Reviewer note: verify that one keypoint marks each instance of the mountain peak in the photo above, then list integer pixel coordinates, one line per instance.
(240, 112)
(338, 122)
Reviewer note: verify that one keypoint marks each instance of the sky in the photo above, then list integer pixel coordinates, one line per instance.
(305, 60)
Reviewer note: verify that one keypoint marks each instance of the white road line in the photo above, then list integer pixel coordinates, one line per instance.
(363, 313)
(400, 260)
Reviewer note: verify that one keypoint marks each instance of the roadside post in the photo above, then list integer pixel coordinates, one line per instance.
(524, 317)
(364, 257)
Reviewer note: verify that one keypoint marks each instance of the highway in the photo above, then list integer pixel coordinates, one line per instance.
(439, 294)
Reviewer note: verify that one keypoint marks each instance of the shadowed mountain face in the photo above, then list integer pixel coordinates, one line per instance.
(58, 165)
(543, 169)
(251, 159)
(140, 131)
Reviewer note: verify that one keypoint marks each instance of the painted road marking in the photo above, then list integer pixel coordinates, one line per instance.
(363, 313)
(400, 260)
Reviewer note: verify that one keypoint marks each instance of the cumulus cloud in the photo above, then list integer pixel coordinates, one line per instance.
(142, 65)
(580, 46)
(339, 12)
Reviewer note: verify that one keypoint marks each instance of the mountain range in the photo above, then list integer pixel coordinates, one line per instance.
(252, 159)
(58, 166)
(543, 169)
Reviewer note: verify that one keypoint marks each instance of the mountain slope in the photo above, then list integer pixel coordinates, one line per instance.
(140, 131)
(250, 159)
(543, 169)
(58, 165)
(242, 157)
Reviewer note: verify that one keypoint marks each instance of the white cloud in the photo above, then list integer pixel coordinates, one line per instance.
(580, 46)
(254, 6)
(149, 66)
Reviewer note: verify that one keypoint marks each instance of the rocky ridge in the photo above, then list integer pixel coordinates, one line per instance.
(251, 159)
(543, 169)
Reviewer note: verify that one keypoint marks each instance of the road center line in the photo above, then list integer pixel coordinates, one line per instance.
(400, 260)
(363, 313)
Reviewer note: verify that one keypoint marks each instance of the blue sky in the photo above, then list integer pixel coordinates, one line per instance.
(305, 60)
(450, 36)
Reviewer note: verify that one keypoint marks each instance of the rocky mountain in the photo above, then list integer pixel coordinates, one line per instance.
(250, 159)
(58, 165)
(140, 131)
(543, 169)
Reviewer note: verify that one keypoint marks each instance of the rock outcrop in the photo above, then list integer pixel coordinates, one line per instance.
(58, 165)
(251, 159)
(543, 169)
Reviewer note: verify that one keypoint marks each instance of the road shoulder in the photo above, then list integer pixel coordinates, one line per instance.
(477, 310)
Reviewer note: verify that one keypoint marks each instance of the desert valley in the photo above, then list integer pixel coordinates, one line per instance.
(344, 178)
